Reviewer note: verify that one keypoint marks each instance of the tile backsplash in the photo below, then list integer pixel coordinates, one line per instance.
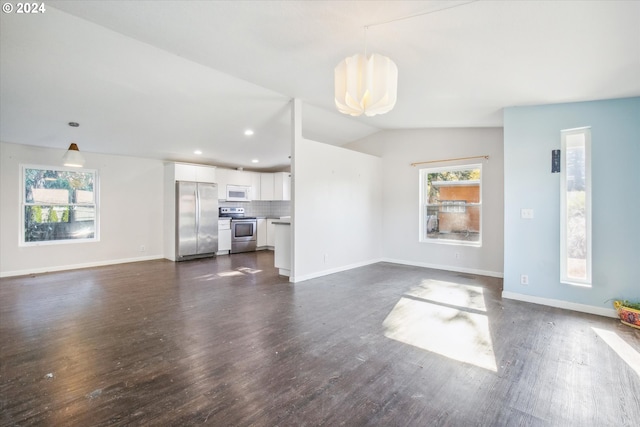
(274, 209)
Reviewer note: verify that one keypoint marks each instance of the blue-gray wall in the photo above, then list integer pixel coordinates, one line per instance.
(532, 246)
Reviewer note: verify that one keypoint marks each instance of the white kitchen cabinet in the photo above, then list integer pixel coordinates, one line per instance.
(255, 185)
(224, 236)
(275, 186)
(205, 174)
(221, 180)
(195, 173)
(184, 172)
(282, 255)
(224, 241)
(282, 186)
(266, 186)
(271, 233)
(262, 233)
(236, 177)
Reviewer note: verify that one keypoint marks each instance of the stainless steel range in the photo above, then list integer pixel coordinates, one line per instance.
(244, 230)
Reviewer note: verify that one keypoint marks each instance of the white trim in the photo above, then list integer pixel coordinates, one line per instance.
(453, 268)
(22, 203)
(78, 266)
(423, 204)
(583, 308)
(297, 279)
(564, 278)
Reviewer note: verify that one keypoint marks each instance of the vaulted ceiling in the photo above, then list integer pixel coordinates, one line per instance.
(163, 79)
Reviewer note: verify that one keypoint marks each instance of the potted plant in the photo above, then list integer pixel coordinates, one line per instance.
(629, 312)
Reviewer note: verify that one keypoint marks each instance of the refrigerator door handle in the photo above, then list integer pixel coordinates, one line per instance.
(196, 193)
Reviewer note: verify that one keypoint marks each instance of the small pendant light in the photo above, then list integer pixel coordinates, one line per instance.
(73, 158)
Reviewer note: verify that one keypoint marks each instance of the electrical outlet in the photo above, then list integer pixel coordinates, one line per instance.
(143, 248)
(526, 213)
(326, 258)
(457, 255)
(524, 279)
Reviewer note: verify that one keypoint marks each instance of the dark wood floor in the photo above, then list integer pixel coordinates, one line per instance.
(228, 342)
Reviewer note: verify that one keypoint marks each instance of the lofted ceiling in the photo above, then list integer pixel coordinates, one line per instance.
(163, 79)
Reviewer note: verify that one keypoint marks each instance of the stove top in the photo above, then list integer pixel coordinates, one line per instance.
(234, 214)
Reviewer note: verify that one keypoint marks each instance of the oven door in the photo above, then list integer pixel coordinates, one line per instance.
(243, 235)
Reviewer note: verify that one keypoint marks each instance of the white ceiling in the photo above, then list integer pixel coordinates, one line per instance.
(162, 79)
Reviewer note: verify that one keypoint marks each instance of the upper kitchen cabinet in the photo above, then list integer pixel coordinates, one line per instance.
(238, 177)
(275, 186)
(266, 186)
(282, 186)
(221, 176)
(255, 186)
(187, 172)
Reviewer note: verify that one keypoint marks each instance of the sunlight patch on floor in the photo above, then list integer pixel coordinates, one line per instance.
(445, 318)
(450, 293)
(248, 270)
(622, 349)
(240, 271)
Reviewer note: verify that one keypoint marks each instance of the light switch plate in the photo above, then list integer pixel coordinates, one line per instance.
(526, 213)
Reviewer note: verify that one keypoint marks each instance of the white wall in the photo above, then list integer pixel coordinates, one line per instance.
(532, 247)
(131, 216)
(337, 209)
(400, 182)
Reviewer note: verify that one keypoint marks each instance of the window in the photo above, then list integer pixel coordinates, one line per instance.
(451, 205)
(58, 205)
(575, 207)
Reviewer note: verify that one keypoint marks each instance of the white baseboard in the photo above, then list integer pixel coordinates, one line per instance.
(497, 274)
(583, 308)
(297, 279)
(77, 266)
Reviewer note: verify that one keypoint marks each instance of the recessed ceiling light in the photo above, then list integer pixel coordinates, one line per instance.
(248, 132)
(198, 152)
(255, 161)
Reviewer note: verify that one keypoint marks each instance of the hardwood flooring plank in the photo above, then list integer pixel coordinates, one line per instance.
(227, 341)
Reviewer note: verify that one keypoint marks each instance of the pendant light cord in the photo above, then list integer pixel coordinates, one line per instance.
(366, 27)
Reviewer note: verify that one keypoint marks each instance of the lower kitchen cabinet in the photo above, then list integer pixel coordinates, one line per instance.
(224, 236)
(282, 256)
(262, 233)
(271, 233)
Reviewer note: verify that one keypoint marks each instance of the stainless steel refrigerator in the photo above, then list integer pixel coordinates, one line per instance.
(196, 220)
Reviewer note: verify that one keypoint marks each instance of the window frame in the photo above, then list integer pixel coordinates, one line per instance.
(564, 276)
(423, 205)
(23, 204)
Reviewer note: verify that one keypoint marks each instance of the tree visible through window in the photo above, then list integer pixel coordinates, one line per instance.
(58, 205)
(575, 203)
(451, 204)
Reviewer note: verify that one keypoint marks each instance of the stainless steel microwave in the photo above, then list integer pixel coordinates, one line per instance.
(238, 193)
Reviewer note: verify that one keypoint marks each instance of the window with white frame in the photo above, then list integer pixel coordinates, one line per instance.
(575, 207)
(451, 204)
(58, 205)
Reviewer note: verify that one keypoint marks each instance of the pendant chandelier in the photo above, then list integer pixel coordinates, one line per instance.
(369, 84)
(366, 84)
